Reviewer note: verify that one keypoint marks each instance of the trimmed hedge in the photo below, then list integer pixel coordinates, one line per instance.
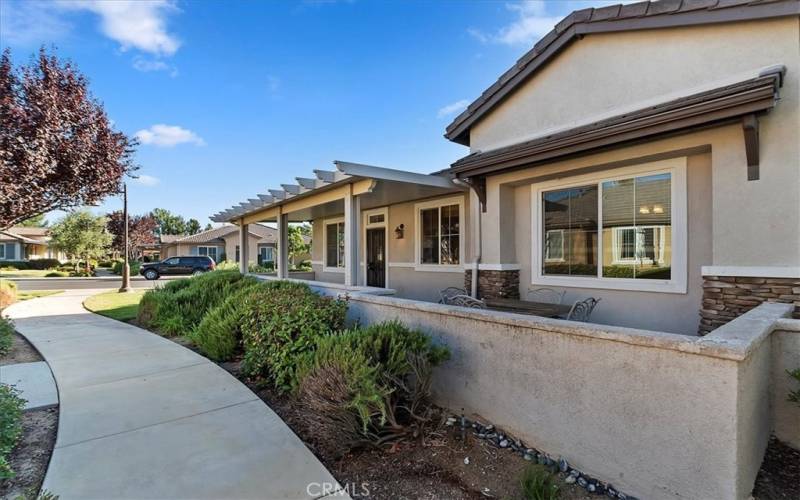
(116, 268)
(8, 293)
(178, 307)
(35, 264)
(283, 326)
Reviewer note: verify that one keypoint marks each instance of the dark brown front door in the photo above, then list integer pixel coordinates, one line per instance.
(376, 257)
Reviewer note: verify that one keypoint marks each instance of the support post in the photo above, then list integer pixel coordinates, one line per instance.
(352, 215)
(283, 245)
(244, 254)
(126, 268)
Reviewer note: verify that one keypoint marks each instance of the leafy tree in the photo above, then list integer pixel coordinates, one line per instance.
(58, 149)
(81, 235)
(209, 227)
(297, 245)
(36, 221)
(141, 231)
(167, 222)
(193, 226)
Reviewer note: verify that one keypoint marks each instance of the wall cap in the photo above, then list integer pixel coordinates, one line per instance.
(752, 271)
(731, 342)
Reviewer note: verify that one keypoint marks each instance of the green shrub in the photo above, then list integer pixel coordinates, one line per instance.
(266, 267)
(227, 265)
(282, 326)
(56, 274)
(538, 484)
(178, 307)
(8, 293)
(116, 268)
(6, 335)
(219, 334)
(37, 264)
(368, 384)
(10, 426)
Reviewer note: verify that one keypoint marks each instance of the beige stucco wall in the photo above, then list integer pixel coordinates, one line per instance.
(402, 276)
(659, 415)
(628, 70)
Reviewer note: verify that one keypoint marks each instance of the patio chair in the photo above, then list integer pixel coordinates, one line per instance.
(546, 295)
(582, 309)
(465, 301)
(450, 291)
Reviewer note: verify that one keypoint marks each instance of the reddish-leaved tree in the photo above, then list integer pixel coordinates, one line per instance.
(141, 231)
(57, 147)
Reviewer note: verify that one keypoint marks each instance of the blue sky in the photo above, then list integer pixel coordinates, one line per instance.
(231, 98)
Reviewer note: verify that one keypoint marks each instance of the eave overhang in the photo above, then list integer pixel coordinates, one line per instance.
(741, 101)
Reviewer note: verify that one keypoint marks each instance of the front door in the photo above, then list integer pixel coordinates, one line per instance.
(376, 257)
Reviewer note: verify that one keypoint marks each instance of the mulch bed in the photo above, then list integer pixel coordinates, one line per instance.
(30, 458)
(779, 477)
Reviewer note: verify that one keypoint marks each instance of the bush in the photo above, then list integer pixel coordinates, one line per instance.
(10, 426)
(37, 264)
(266, 267)
(107, 263)
(82, 273)
(178, 307)
(8, 293)
(219, 334)
(6, 336)
(227, 265)
(368, 384)
(134, 265)
(538, 484)
(57, 274)
(286, 323)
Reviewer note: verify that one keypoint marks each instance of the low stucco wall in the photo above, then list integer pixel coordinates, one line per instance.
(658, 415)
(786, 356)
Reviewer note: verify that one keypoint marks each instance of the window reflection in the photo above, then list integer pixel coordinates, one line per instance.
(570, 231)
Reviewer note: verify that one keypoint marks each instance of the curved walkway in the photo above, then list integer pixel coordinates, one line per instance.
(142, 417)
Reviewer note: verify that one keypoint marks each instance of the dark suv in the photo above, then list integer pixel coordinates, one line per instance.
(194, 265)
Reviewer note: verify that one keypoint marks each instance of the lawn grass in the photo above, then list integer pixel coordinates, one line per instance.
(26, 273)
(35, 294)
(115, 305)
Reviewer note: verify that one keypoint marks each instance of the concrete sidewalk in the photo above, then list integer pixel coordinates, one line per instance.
(142, 417)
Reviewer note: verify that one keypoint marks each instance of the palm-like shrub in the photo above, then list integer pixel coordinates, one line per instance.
(10, 426)
(219, 334)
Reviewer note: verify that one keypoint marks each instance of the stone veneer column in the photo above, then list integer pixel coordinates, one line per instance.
(494, 284)
(728, 297)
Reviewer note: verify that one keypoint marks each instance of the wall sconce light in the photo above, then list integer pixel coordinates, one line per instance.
(399, 230)
(644, 210)
(658, 209)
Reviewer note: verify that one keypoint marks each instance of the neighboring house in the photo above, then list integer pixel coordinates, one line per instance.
(27, 243)
(222, 243)
(646, 154)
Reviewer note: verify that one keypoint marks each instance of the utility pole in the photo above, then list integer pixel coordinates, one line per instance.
(126, 268)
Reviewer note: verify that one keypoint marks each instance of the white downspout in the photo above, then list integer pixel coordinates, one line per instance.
(478, 244)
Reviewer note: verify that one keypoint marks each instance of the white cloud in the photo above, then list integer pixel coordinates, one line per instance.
(147, 180)
(148, 65)
(30, 23)
(531, 23)
(452, 108)
(141, 24)
(168, 136)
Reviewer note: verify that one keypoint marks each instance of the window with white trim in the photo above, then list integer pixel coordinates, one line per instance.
(334, 244)
(439, 233)
(207, 251)
(613, 230)
(265, 255)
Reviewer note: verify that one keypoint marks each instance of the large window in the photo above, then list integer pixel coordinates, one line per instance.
(334, 245)
(209, 251)
(266, 255)
(439, 233)
(613, 231)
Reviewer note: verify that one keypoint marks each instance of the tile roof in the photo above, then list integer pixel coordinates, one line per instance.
(264, 233)
(635, 16)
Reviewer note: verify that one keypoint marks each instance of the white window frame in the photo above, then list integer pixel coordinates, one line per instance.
(615, 253)
(677, 283)
(365, 224)
(325, 267)
(216, 251)
(271, 251)
(560, 259)
(438, 203)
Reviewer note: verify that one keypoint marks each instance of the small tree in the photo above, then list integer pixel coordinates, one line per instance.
(167, 222)
(141, 231)
(81, 235)
(36, 221)
(192, 226)
(297, 245)
(57, 147)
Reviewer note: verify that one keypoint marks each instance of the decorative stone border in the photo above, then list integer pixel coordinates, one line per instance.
(494, 284)
(500, 439)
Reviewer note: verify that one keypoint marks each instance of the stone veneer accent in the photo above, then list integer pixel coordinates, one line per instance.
(494, 284)
(728, 297)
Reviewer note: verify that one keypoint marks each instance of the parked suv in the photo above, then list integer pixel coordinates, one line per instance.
(194, 265)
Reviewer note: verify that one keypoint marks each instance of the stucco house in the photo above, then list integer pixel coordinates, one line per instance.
(645, 154)
(222, 243)
(27, 243)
